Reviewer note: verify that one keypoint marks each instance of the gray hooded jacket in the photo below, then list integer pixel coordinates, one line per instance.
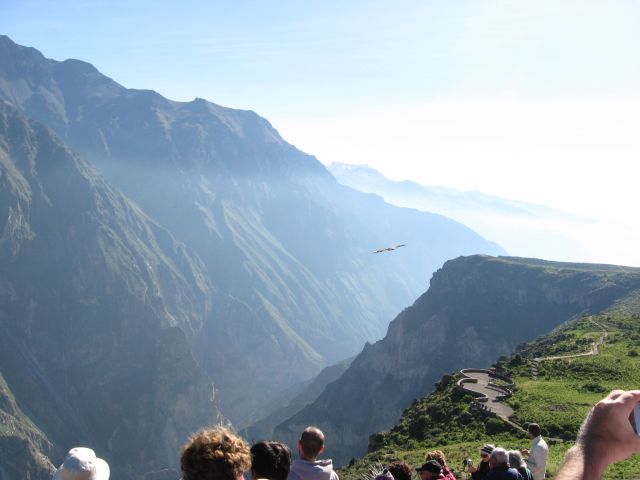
(318, 470)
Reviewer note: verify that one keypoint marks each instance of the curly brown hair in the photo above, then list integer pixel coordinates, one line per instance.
(214, 454)
(401, 471)
(438, 456)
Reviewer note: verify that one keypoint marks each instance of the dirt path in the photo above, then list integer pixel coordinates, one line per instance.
(593, 350)
(479, 381)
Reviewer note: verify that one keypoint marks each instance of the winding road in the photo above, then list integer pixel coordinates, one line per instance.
(482, 386)
(479, 381)
(594, 349)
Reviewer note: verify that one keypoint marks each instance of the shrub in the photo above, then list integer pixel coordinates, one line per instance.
(593, 387)
(494, 426)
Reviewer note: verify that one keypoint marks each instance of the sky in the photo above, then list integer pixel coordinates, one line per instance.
(535, 101)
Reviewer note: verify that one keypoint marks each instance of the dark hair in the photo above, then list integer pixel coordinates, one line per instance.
(534, 429)
(214, 454)
(312, 441)
(400, 471)
(270, 460)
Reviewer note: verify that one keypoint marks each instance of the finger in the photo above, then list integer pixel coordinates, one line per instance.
(614, 394)
(630, 398)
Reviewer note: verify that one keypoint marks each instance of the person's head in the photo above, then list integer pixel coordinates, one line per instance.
(438, 456)
(270, 460)
(485, 452)
(534, 430)
(430, 470)
(400, 471)
(81, 463)
(311, 443)
(215, 454)
(515, 459)
(499, 458)
(385, 474)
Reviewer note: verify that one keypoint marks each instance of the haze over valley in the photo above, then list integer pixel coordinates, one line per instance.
(168, 263)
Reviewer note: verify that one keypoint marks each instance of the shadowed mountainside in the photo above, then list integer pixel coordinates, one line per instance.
(286, 247)
(95, 300)
(476, 309)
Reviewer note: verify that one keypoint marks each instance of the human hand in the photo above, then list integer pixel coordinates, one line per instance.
(607, 433)
(524, 451)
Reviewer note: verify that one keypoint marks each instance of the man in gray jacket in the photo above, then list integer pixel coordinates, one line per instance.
(307, 467)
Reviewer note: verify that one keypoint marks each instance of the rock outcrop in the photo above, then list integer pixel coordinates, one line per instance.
(476, 309)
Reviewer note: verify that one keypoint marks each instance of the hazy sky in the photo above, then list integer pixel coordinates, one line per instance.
(537, 100)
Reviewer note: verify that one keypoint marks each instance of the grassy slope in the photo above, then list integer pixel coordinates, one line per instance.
(558, 400)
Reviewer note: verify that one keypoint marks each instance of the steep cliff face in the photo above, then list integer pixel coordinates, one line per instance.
(294, 401)
(286, 246)
(476, 309)
(94, 302)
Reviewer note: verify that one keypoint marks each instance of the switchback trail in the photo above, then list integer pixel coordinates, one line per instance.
(492, 395)
(593, 350)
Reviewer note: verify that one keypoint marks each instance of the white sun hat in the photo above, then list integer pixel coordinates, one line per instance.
(82, 464)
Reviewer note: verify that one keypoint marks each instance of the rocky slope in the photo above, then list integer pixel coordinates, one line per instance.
(476, 309)
(294, 401)
(557, 397)
(95, 300)
(286, 246)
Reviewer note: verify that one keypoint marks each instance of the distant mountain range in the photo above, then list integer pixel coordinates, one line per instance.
(166, 263)
(523, 229)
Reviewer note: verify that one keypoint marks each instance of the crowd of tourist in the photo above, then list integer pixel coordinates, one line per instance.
(606, 436)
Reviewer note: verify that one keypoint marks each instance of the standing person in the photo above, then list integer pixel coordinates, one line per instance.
(516, 461)
(430, 470)
(500, 470)
(479, 472)
(308, 467)
(439, 456)
(270, 460)
(215, 454)
(82, 464)
(537, 460)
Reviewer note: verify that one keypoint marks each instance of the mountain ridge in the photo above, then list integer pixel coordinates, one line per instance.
(478, 308)
(93, 347)
(522, 228)
(285, 246)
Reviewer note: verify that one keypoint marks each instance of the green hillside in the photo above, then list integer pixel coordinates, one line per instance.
(558, 399)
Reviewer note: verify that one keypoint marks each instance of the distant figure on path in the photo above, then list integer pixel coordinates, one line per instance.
(439, 456)
(215, 454)
(516, 461)
(430, 470)
(82, 464)
(537, 461)
(308, 467)
(606, 436)
(401, 471)
(270, 460)
(483, 468)
(500, 470)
